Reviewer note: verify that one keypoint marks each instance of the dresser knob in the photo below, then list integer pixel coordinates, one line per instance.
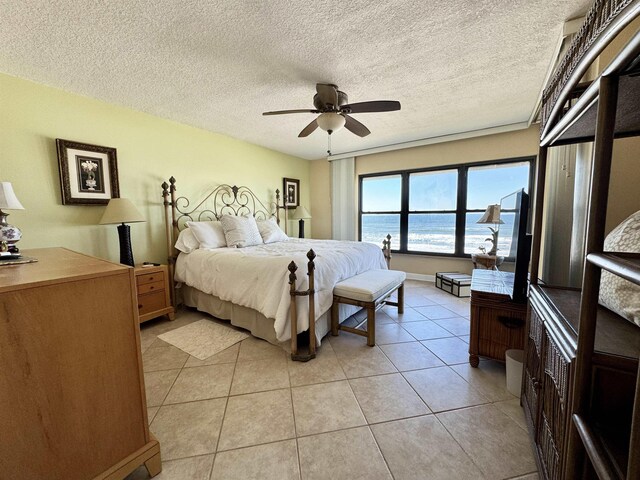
(139, 306)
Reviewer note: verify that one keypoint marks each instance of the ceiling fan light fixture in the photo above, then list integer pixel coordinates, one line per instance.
(331, 121)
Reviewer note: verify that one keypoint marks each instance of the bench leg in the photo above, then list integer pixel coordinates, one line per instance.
(335, 309)
(401, 298)
(371, 326)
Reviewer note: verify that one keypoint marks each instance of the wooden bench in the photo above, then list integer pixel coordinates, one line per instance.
(369, 290)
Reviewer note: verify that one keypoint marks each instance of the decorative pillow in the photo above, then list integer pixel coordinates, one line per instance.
(209, 234)
(618, 294)
(271, 231)
(240, 231)
(187, 241)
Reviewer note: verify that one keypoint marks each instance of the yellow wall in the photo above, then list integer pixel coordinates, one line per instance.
(149, 149)
(491, 147)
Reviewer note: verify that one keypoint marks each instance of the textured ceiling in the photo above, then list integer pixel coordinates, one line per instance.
(455, 65)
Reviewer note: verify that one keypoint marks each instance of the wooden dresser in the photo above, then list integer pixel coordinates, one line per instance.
(497, 322)
(154, 296)
(72, 396)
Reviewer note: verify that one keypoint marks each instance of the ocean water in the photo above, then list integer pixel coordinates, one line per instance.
(436, 232)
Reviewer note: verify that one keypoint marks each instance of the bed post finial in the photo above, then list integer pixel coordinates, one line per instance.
(386, 250)
(165, 192)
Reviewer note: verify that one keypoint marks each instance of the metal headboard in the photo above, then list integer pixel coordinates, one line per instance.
(222, 200)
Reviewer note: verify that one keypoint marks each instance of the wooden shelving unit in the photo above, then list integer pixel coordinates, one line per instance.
(581, 391)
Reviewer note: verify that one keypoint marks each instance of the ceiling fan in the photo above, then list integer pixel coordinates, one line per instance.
(334, 111)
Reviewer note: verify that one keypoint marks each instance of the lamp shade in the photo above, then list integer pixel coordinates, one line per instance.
(121, 210)
(8, 199)
(300, 212)
(491, 215)
(330, 121)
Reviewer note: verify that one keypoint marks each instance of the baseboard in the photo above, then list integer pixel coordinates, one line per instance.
(421, 278)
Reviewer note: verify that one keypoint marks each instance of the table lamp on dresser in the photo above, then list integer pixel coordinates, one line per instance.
(9, 234)
(121, 210)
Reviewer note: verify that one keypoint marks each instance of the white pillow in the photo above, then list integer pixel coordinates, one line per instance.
(618, 294)
(209, 234)
(240, 231)
(187, 241)
(271, 231)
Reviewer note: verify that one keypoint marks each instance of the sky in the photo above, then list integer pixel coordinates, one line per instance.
(437, 190)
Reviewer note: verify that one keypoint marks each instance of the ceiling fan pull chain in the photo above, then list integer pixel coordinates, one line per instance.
(329, 150)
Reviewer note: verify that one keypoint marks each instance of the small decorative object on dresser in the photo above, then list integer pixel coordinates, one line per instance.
(291, 192)
(121, 210)
(300, 213)
(88, 173)
(153, 292)
(9, 234)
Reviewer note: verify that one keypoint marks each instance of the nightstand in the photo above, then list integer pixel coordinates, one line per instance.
(152, 287)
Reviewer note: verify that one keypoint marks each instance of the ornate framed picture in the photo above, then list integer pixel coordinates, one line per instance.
(291, 192)
(88, 173)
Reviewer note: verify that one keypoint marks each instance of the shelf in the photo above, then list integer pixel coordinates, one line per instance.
(604, 461)
(579, 123)
(614, 334)
(624, 265)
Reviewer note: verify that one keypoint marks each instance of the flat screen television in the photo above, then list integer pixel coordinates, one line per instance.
(513, 241)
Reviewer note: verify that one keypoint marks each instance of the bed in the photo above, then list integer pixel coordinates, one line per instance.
(258, 288)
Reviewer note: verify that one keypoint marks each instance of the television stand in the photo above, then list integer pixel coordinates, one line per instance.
(497, 322)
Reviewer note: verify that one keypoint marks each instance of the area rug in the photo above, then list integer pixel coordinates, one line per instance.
(203, 338)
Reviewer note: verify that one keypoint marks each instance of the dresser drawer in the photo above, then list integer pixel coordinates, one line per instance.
(150, 287)
(150, 278)
(150, 302)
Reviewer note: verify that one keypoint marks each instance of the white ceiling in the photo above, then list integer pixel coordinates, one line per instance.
(455, 65)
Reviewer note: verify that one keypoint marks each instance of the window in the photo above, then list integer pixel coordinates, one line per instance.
(380, 207)
(434, 211)
(486, 185)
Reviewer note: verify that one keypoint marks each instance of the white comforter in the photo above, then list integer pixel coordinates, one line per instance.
(257, 277)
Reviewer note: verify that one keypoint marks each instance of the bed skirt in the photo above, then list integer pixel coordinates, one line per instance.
(252, 320)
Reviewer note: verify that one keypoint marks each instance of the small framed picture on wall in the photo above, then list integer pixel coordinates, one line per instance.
(88, 173)
(291, 192)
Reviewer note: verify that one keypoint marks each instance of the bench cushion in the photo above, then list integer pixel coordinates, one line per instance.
(370, 285)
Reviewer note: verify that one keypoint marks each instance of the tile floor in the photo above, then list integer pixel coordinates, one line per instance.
(409, 408)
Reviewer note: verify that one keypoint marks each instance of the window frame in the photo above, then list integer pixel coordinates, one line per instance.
(461, 202)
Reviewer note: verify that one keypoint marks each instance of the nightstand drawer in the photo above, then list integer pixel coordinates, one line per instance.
(151, 302)
(150, 277)
(151, 287)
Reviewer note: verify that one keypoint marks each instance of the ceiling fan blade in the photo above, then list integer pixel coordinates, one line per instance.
(370, 107)
(356, 127)
(327, 93)
(283, 112)
(309, 129)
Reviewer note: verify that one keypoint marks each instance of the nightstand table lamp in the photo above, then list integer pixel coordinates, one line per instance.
(121, 210)
(490, 260)
(9, 234)
(492, 216)
(300, 213)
